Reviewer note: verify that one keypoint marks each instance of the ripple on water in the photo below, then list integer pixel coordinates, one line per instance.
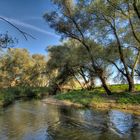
(31, 120)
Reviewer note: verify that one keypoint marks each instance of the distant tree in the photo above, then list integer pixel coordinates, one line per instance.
(19, 68)
(14, 67)
(38, 75)
(7, 41)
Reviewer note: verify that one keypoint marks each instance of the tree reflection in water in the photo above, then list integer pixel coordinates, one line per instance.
(32, 120)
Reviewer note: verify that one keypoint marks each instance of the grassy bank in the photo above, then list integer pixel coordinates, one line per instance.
(9, 95)
(97, 98)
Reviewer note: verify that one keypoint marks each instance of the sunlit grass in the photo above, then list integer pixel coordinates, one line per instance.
(98, 95)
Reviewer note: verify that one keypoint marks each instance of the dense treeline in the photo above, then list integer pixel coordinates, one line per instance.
(22, 75)
(19, 68)
(101, 38)
(99, 33)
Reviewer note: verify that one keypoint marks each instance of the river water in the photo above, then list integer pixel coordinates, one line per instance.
(33, 120)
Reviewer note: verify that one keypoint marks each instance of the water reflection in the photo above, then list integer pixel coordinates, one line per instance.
(34, 121)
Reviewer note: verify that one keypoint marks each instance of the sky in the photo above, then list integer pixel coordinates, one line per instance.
(28, 16)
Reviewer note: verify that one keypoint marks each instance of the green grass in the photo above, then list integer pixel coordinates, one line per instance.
(118, 88)
(9, 95)
(122, 87)
(128, 99)
(98, 95)
(83, 97)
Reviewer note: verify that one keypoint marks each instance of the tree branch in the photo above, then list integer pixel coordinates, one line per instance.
(25, 35)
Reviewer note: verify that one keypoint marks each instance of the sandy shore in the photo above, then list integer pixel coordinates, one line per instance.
(51, 100)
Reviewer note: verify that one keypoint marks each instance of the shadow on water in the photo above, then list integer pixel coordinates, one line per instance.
(28, 120)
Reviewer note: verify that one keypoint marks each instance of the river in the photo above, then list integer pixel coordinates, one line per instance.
(34, 120)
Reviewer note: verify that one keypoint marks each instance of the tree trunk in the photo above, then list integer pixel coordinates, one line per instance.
(78, 81)
(99, 72)
(131, 84)
(87, 83)
(127, 75)
(91, 81)
(102, 77)
(104, 84)
(81, 72)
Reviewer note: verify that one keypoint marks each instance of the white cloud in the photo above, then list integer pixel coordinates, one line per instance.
(29, 26)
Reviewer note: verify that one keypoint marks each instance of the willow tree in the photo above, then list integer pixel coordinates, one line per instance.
(71, 22)
(14, 65)
(38, 75)
(19, 68)
(70, 60)
(115, 22)
(58, 67)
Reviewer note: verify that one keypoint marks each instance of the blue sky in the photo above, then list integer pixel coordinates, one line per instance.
(27, 15)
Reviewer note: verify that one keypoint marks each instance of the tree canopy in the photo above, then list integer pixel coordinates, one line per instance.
(113, 26)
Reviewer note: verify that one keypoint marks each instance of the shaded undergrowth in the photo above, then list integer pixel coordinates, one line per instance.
(9, 95)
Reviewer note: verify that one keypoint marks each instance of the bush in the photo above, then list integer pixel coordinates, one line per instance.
(8, 95)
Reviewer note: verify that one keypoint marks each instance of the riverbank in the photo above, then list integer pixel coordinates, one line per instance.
(107, 105)
(130, 108)
(129, 102)
(9, 95)
(96, 98)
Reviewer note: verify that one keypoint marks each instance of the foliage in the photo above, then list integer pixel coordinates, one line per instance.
(71, 61)
(116, 32)
(9, 95)
(99, 34)
(18, 67)
(6, 41)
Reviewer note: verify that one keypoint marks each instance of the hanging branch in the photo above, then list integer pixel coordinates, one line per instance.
(25, 35)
